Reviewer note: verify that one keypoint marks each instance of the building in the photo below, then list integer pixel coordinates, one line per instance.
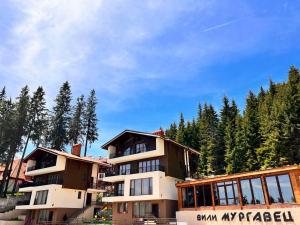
(65, 185)
(13, 175)
(263, 197)
(145, 169)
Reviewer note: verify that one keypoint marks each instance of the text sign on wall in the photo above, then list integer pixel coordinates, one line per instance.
(276, 216)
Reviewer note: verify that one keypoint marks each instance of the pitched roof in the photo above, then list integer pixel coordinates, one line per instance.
(88, 159)
(105, 146)
(14, 171)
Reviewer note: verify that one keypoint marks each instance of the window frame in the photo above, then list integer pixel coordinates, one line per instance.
(42, 192)
(133, 186)
(124, 207)
(249, 179)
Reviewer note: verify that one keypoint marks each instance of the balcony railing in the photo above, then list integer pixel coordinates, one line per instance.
(131, 151)
(23, 202)
(136, 170)
(41, 183)
(42, 166)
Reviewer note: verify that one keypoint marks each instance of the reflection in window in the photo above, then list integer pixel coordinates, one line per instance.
(252, 192)
(188, 197)
(122, 207)
(141, 186)
(142, 209)
(41, 197)
(280, 189)
(203, 194)
(120, 189)
(226, 193)
(140, 148)
(124, 169)
(147, 166)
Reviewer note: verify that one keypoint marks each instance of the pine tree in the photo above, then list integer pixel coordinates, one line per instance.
(76, 131)
(60, 120)
(292, 116)
(171, 132)
(91, 120)
(252, 135)
(37, 123)
(180, 130)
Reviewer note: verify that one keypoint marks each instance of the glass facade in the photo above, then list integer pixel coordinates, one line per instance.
(203, 195)
(41, 197)
(142, 209)
(280, 189)
(188, 197)
(141, 187)
(150, 165)
(226, 193)
(252, 191)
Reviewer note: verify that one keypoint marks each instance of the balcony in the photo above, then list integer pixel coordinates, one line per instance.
(41, 183)
(136, 170)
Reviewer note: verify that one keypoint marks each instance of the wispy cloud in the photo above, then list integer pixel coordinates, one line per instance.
(218, 26)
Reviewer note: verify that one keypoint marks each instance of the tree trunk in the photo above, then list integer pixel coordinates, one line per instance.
(20, 164)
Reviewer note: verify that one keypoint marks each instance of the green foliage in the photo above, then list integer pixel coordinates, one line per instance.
(76, 131)
(266, 135)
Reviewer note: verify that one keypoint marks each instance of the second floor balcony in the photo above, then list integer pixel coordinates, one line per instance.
(41, 182)
(135, 170)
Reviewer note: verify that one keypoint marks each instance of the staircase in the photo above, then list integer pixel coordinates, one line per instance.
(78, 216)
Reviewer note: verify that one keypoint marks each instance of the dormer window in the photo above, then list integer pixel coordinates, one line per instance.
(140, 147)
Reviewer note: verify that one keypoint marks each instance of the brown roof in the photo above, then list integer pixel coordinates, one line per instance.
(105, 146)
(88, 159)
(14, 171)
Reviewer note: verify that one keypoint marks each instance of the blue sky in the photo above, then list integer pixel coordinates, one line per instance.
(147, 60)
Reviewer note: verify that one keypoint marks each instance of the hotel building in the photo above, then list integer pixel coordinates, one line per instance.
(145, 169)
(65, 185)
(263, 197)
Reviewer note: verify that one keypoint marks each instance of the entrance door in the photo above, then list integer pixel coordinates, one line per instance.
(88, 198)
(155, 210)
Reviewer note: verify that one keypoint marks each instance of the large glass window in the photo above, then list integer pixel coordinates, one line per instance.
(280, 189)
(41, 197)
(188, 197)
(203, 194)
(142, 209)
(147, 166)
(120, 189)
(124, 169)
(252, 191)
(141, 186)
(226, 193)
(122, 207)
(140, 147)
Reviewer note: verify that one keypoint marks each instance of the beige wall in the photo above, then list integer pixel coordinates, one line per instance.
(60, 166)
(163, 188)
(58, 197)
(160, 151)
(209, 217)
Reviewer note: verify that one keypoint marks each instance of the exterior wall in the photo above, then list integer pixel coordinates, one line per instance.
(139, 156)
(60, 166)
(77, 174)
(277, 216)
(58, 197)
(162, 187)
(167, 209)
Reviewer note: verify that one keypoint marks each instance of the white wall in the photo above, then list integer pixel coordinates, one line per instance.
(58, 197)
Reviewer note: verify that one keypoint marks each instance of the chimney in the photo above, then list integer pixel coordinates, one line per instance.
(159, 132)
(76, 149)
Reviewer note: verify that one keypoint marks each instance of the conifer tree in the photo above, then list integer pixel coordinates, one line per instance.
(292, 116)
(252, 135)
(91, 120)
(76, 131)
(60, 120)
(37, 123)
(171, 132)
(180, 130)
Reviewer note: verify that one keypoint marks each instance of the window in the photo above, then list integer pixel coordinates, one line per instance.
(124, 169)
(147, 166)
(252, 191)
(123, 207)
(120, 189)
(142, 209)
(226, 193)
(203, 194)
(79, 195)
(280, 189)
(140, 148)
(141, 187)
(41, 197)
(127, 151)
(188, 197)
